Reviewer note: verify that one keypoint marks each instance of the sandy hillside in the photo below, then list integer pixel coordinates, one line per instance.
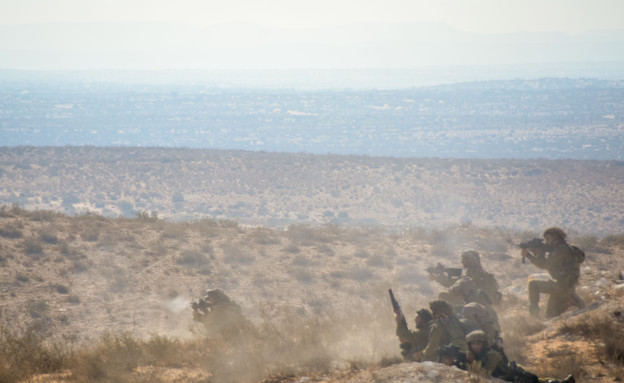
(322, 289)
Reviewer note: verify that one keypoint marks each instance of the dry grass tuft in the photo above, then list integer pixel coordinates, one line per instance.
(26, 354)
(606, 332)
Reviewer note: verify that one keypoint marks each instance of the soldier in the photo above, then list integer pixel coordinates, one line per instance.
(564, 270)
(221, 316)
(446, 328)
(414, 341)
(484, 318)
(484, 281)
(496, 363)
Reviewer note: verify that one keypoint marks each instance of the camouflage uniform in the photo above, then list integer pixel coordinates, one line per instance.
(564, 271)
(496, 363)
(445, 329)
(484, 318)
(483, 281)
(221, 316)
(413, 341)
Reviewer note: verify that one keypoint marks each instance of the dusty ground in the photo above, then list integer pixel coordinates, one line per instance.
(75, 279)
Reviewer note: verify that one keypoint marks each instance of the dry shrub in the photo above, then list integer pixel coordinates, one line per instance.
(23, 355)
(325, 250)
(235, 254)
(303, 261)
(591, 244)
(613, 240)
(605, 331)
(90, 235)
(302, 275)
(195, 260)
(45, 215)
(262, 236)
(292, 248)
(48, 236)
(306, 235)
(10, 231)
(559, 364)
(32, 246)
(174, 231)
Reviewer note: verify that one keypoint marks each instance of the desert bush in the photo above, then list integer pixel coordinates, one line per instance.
(292, 248)
(591, 244)
(360, 274)
(32, 246)
(144, 215)
(48, 236)
(61, 289)
(234, 254)
(361, 253)
(79, 265)
(560, 363)
(376, 260)
(37, 308)
(174, 231)
(110, 359)
(73, 299)
(613, 240)
(21, 277)
(9, 231)
(25, 355)
(305, 235)
(194, 260)
(44, 215)
(263, 237)
(228, 224)
(90, 235)
(605, 332)
(302, 261)
(303, 275)
(324, 249)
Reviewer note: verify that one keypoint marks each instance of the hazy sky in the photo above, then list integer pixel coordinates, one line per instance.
(571, 16)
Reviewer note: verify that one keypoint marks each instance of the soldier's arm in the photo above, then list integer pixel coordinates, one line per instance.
(434, 341)
(444, 279)
(539, 260)
(492, 361)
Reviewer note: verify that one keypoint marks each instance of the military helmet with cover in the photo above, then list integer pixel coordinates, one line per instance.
(470, 259)
(440, 307)
(476, 336)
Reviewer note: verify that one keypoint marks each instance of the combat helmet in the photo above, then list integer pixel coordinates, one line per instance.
(476, 336)
(470, 259)
(440, 307)
(425, 315)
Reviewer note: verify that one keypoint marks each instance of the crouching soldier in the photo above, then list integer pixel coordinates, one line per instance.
(221, 316)
(495, 363)
(562, 262)
(446, 328)
(414, 341)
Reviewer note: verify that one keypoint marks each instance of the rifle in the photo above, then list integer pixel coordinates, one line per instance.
(439, 269)
(536, 244)
(406, 347)
(398, 313)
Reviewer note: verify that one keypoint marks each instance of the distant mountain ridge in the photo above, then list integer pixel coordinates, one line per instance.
(248, 46)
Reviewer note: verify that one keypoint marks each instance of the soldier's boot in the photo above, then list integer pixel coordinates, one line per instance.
(534, 310)
(569, 379)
